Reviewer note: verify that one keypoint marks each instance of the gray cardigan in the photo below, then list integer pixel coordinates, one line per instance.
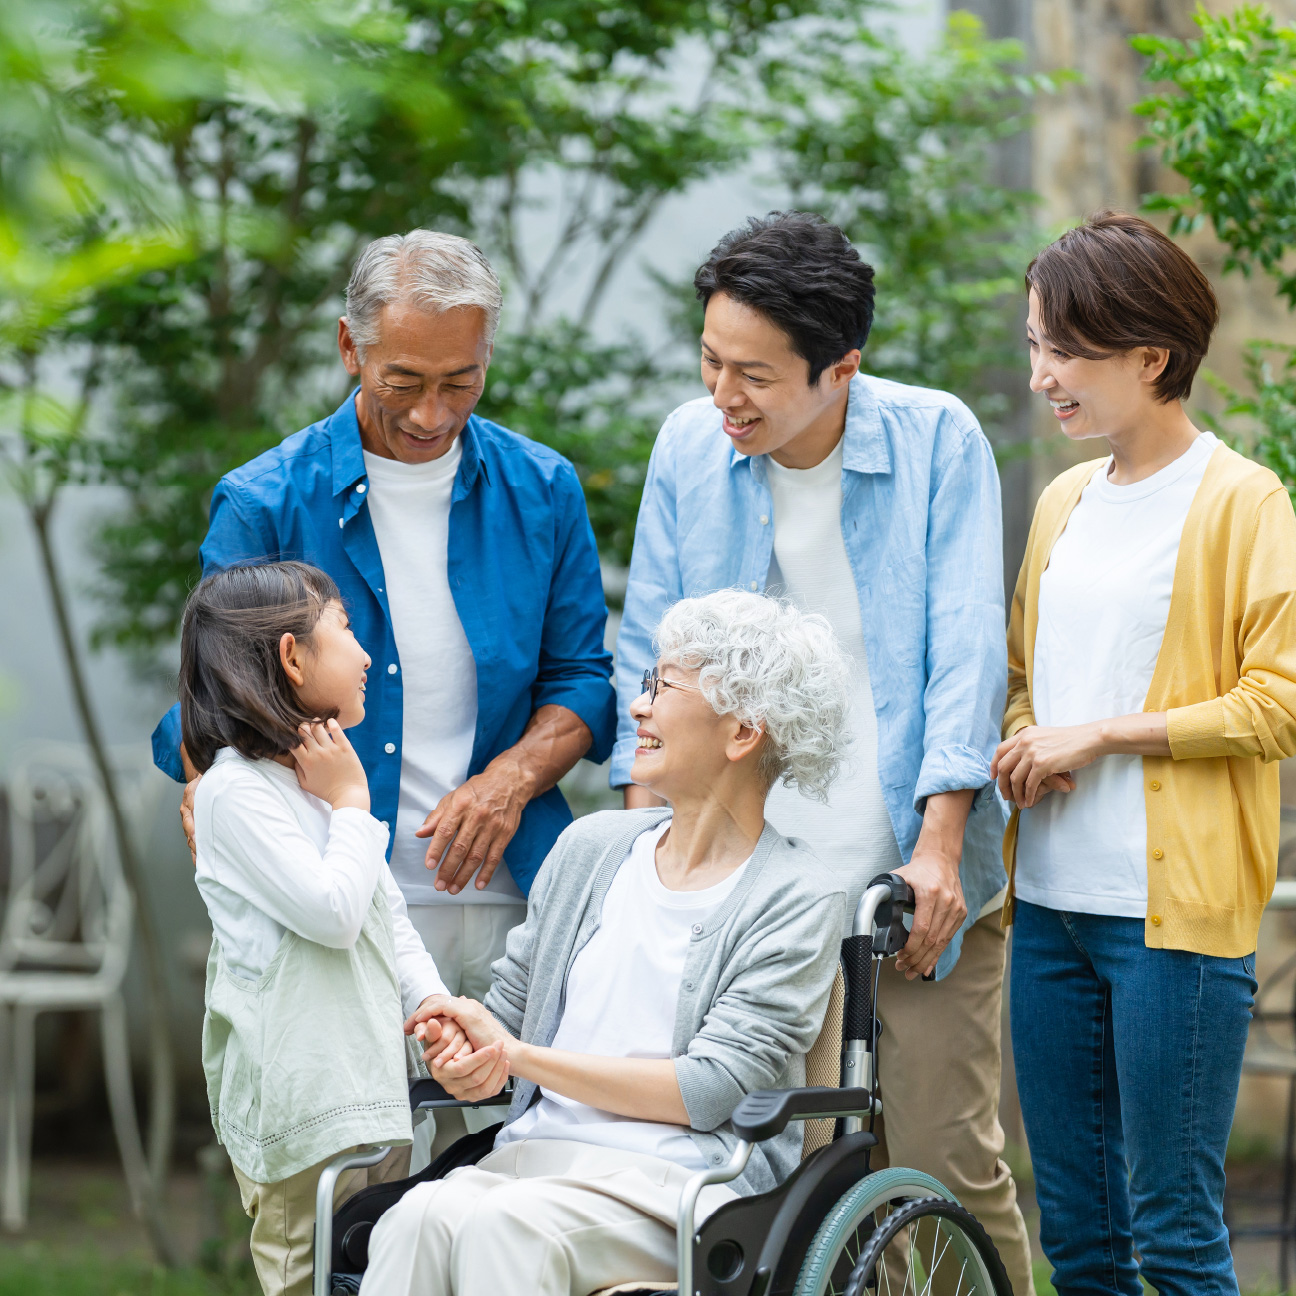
(754, 990)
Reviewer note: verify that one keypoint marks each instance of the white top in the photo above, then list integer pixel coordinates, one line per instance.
(621, 999)
(281, 859)
(852, 834)
(1103, 602)
(409, 505)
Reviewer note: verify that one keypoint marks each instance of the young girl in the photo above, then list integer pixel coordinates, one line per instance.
(314, 962)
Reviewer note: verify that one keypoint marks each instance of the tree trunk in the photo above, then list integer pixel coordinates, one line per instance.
(162, 1059)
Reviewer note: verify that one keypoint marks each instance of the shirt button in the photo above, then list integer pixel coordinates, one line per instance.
(389, 748)
(1156, 920)
(697, 929)
(1155, 786)
(764, 519)
(391, 668)
(341, 522)
(385, 824)
(1156, 854)
(752, 586)
(360, 490)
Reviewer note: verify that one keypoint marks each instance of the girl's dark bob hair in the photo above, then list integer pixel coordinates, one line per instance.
(1116, 283)
(233, 690)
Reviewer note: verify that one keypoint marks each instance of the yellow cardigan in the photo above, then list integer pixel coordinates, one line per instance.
(1226, 674)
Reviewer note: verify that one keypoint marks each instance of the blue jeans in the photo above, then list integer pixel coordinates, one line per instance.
(1128, 1061)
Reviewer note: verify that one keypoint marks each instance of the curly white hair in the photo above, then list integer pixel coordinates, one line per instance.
(774, 667)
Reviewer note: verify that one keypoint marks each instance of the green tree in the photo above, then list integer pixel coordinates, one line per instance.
(479, 116)
(83, 218)
(901, 151)
(1227, 124)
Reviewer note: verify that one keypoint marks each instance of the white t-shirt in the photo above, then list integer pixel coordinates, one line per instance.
(273, 858)
(621, 999)
(1103, 602)
(409, 505)
(852, 834)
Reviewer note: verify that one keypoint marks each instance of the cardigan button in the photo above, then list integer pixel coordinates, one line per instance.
(1156, 920)
(697, 929)
(389, 748)
(1156, 854)
(1155, 786)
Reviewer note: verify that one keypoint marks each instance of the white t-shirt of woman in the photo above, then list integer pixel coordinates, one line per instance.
(1103, 602)
(621, 1000)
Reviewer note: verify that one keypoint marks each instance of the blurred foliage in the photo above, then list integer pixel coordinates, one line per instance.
(49, 1271)
(1269, 409)
(215, 166)
(901, 151)
(1229, 128)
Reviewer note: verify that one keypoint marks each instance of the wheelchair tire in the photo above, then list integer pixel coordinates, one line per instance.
(931, 1246)
(840, 1240)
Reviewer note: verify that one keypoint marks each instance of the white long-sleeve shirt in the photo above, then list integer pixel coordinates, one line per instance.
(273, 858)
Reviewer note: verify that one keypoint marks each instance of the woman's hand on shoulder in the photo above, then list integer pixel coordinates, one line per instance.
(1040, 759)
(328, 767)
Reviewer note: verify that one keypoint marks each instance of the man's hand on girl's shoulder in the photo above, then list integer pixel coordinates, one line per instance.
(187, 816)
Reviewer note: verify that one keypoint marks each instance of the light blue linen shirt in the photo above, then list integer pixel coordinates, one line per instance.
(923, 532)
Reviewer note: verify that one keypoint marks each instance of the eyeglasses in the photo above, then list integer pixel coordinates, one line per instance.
(652, 682)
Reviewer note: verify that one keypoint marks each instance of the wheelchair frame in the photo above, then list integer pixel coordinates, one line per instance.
(774, 1224)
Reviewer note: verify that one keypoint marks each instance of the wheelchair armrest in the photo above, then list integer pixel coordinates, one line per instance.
(766, 1112)
(429, 1094)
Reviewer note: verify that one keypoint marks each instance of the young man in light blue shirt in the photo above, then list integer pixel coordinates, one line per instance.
(876, 505)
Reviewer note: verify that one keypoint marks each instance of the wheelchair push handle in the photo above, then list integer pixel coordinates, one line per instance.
(888, 931)
(879, 932)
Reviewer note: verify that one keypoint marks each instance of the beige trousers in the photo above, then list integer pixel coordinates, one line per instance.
(464, 940)
(283, 1219)
(938, 1071)
(542, 1217)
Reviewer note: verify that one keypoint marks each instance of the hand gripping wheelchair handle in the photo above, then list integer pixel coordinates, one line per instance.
(880, 931)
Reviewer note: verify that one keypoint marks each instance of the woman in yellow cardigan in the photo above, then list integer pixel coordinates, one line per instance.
(1152, 689)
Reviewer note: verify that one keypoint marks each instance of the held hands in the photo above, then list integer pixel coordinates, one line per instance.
(444, 1037)
(472, 825)
(327, 766)
(473, 1071)
(1041, 759)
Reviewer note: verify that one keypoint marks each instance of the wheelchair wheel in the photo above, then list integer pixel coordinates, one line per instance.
(860, 1226)
(929, 1246)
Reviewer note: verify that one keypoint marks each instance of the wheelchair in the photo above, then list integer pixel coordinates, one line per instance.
(833, 1228)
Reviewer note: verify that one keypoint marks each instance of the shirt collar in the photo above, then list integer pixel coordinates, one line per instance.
(344, 436)
(864, 443)
(348, 455)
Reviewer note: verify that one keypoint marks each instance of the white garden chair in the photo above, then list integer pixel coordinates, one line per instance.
(64, 945)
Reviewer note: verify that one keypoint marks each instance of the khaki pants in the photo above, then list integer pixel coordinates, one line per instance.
(542, 1217)
(464, 940)
(938, 1072)
(283, 1219)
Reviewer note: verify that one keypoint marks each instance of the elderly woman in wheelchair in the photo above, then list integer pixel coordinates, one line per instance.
(654, 1014)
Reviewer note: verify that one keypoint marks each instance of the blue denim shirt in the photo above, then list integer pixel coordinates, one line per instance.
(524, 574)
(922, 526)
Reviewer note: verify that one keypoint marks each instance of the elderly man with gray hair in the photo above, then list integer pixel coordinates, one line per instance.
(468, 567)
